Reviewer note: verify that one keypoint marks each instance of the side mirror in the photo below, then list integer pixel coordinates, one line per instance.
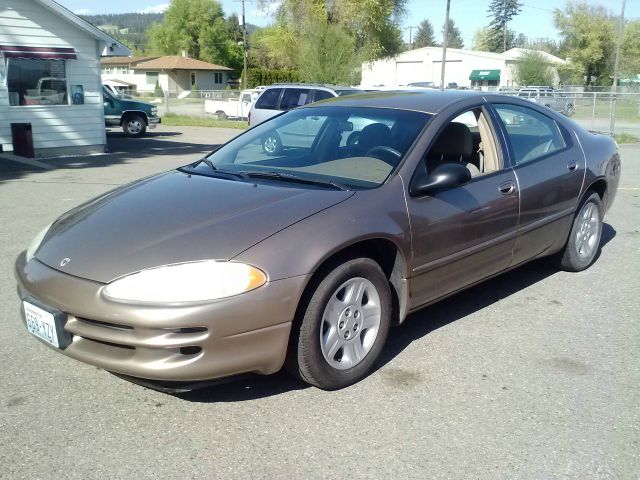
(443, 177)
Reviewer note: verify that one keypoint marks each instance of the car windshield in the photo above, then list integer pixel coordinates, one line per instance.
(354, 148)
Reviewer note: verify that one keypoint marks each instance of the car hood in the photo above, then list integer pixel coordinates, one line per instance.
(171, 218)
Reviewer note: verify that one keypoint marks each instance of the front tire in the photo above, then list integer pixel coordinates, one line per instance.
(584, 240)
(134, 126)
(344, 326)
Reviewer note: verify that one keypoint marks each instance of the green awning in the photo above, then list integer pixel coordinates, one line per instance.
(484, 75)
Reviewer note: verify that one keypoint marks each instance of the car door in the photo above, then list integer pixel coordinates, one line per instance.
(112, 111)
(550, 169)
(464, 234)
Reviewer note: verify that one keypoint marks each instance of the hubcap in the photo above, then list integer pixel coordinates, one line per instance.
(588, 231)
(270, 144)
(350, 323)
(135, 126)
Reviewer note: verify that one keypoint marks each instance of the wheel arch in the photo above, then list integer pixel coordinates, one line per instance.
(383, 251)
(128, 113)
(599, 186)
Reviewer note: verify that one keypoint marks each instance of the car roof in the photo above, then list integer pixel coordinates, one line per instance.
(427, 101)
(312, 85)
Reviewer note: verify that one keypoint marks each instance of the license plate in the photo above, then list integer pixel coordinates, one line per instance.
(41, 323)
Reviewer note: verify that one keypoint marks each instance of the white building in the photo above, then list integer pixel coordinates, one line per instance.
(50, 93)
(173, 73)
(466, 68)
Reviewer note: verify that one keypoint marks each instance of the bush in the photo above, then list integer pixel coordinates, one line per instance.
(157, 91)
(265, 76)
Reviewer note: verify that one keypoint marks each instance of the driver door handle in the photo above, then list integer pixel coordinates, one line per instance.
(507, 188)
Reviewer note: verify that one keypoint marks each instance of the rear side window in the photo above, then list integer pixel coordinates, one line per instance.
(532, 135)
(294, 97)
(322, 95)
(269, 99)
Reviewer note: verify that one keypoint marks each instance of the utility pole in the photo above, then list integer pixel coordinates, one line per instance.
(411, 27)
(244, 49)
(618, 44)
(614, 87)
(445, 39)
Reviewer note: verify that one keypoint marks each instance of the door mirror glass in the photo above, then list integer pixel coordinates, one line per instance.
(443, 177)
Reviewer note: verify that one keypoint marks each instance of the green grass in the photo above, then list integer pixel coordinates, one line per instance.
(176, 120)
(625, 138)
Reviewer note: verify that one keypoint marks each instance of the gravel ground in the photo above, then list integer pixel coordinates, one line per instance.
(532, 375)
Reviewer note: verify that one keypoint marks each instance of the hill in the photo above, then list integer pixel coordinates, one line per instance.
(130, 28)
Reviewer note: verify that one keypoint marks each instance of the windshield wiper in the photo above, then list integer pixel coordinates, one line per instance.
(215, 169)
(289, 177)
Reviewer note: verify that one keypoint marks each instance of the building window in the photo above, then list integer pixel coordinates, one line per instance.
(35, 81)
(217, 77)
(107, 70)
(193, 79)
(152, 78)
(122, 69)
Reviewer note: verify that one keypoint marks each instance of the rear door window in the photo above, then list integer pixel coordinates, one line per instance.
(269, 99)
(295, 97)
(532, 135)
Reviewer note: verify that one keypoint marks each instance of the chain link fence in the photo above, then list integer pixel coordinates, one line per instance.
(600, 110)
(223, 104)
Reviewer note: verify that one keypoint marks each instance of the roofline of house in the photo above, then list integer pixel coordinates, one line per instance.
(79, 22)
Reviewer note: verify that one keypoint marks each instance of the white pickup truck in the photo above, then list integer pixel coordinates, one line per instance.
(232, 107)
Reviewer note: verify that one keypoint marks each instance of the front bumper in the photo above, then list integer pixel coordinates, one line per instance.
(154, 122)
(242, 334)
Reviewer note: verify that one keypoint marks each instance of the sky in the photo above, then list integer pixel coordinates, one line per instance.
(535, 20)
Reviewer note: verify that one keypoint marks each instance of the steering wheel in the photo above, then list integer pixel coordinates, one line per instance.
(386, 152)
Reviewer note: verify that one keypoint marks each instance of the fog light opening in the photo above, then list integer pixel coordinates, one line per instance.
(192, 350)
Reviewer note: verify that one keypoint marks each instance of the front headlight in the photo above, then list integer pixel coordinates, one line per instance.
(186, 282)
(154, 111)
(35, 243)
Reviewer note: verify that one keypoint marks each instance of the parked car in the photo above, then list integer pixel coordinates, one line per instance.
(133, 116)
(232, 107)
(281, 97)
(547, 97)
(422, 84)
(240, 260)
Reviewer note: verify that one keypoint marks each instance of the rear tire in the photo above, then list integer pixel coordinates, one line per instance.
(221, 115)
(584, 240)
(343, 327)
(134, 126)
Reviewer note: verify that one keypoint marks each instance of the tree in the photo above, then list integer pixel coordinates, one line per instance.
(370, 29)
(533, 68)
(630, 50)
(197, 27)
(454, 38)
(587, 34)
(501, 12)
(481, 39)
(327, 55)
(424, 35)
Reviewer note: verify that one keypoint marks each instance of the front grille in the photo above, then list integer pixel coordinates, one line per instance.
(113, 326)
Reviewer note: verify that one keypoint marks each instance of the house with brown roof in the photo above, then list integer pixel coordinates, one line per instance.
(174, 73)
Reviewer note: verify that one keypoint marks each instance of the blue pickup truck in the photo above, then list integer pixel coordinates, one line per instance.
(133, 116)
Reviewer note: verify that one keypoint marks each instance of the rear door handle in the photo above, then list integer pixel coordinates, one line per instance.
(572, 165)
(507, 188)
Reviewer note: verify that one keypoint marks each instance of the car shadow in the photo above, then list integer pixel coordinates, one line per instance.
(416, 326)
(120, 150)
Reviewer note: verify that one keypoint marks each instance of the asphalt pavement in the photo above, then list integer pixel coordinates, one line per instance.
(532, 375)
